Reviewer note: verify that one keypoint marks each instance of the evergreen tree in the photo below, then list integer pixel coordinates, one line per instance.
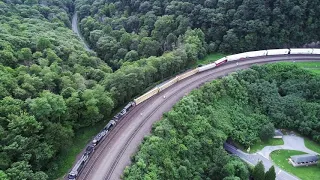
(270, 174)
(258, 171)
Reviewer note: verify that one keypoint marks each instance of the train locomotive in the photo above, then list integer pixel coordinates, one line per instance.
(74, 173)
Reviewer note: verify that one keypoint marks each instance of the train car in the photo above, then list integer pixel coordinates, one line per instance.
(77, 168)
(236, 57)
(221, 61)
(277, 52)
(117, 117)
(96, 140)
(127, 108)
(168, 84)
(89, 150)
(257, 53)
(315, 51)
(207, 67)
(187, 74)
(110, 125)
(146, 96)
(301, 51)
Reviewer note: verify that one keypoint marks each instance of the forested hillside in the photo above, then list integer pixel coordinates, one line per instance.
(187, 142)
(122, 31)
(50, 86)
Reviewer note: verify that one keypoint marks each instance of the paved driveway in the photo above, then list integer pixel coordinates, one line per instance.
(253, 159)
(291, 142)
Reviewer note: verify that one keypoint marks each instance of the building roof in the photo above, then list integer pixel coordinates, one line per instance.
(277, 132)
(304, 158)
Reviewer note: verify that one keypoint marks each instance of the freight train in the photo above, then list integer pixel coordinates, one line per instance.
(74, 173)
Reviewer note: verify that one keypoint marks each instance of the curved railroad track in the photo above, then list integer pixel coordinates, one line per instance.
(114, 153)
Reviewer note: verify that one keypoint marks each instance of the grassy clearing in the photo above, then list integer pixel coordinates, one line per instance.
(312, 66)
(308, 64)
(280, 158)
(260, 145)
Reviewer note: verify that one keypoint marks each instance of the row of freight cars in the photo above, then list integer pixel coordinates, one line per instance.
(221, 61)
(74, 173)
(93, 145)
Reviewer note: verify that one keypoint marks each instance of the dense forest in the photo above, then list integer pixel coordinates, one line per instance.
(187, 142)
(50, 86)
(121, 31)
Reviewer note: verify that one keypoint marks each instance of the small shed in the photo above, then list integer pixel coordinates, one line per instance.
(277, 134)
(304, 160)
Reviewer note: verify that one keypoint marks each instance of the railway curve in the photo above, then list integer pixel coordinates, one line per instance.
(114, 153)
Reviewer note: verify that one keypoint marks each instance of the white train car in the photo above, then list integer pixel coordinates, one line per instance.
(187, 74)
(257, 53)
(221, 61)
(277, 52)
(146, 95)
(236, 57)
(301, 51)
(207, 67)
(168, 84)
(316, 51)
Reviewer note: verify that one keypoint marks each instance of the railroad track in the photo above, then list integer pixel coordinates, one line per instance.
(108, 175)
(134, 111)
(89, 167)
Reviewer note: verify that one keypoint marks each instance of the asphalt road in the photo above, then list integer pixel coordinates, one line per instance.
(76, 30)
(125, 138)
(291, 142)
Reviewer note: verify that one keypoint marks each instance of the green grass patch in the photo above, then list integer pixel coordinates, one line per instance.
(260, 145)
(210, 58)
(280, 158)
(312, 145)
(311, 66)
(308, 64)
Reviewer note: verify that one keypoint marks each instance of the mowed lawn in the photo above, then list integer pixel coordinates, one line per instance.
(260, 145)
(312, 66)
(312, 145)
(280, 158)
